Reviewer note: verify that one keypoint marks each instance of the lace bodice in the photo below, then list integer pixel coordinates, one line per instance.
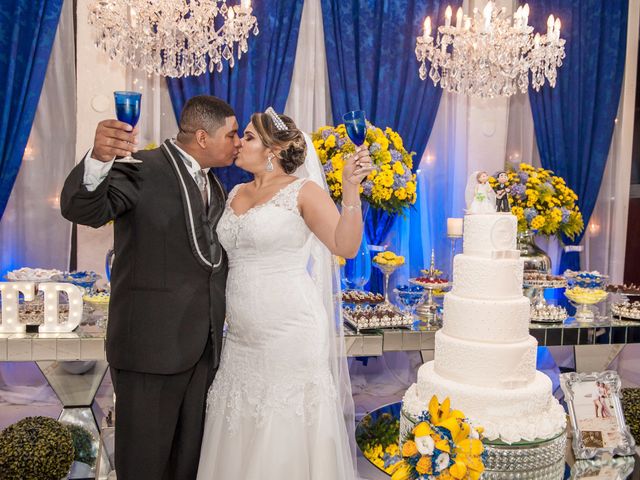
(270, 234)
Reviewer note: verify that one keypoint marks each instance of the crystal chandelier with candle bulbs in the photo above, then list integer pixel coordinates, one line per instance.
(490, 53)
(174, 38)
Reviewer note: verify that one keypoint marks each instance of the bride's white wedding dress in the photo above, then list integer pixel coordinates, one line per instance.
(272, 410)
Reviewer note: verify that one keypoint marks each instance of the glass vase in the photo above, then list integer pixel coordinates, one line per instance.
(357, 270)
(535, 259)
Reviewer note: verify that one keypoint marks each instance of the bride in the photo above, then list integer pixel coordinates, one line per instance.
(280, 405)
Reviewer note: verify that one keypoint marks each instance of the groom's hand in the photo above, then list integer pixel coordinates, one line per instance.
(114, 139)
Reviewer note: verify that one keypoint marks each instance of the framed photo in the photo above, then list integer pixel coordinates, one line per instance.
(596, 414)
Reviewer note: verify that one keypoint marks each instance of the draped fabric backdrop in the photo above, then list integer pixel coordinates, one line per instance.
(574, 121)
(32, 231)
(372, 67)
(262, 77)
(27, 30)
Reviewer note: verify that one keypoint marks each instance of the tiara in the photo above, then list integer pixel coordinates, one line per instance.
(277, 121)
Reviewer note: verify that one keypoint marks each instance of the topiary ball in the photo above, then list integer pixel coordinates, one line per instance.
(35, 448)
(83, 444)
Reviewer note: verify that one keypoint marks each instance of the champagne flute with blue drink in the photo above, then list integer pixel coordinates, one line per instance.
(356, 125)
(128, 111)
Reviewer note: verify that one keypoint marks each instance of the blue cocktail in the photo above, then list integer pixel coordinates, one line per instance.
(356, 125)
(128, 111)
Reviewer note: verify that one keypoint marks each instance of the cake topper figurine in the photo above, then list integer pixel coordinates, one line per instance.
(502, 193)
(479, 195)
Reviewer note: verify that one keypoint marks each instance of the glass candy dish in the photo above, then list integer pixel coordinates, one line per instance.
(585, 279)
(582, 298)
(409, 296)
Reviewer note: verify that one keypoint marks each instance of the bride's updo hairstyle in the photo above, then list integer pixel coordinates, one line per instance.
(290, 141)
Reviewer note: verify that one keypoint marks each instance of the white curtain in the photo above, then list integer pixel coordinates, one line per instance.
(309, 102)
(157, 120)
(32, 231)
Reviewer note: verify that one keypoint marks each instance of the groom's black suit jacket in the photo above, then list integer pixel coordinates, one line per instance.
(169, 272)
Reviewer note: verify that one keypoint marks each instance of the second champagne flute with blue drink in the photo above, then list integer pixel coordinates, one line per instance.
(356, 125)
(128, 111)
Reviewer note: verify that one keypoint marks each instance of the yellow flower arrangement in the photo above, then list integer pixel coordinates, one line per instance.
(442, 445)
(543, 202)
(390, 187)
(388, 258)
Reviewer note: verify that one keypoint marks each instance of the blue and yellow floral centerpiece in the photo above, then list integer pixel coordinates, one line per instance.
(442, 445)
(542, 202)
(390, 187)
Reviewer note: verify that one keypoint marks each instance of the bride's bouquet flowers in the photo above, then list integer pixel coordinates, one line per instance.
(543, 202)
(388, 258)
(443, 445)
(390, 187)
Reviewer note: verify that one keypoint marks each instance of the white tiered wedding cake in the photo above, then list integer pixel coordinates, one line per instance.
(485, 359)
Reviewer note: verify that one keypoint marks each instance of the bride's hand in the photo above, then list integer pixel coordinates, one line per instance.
(357, 166)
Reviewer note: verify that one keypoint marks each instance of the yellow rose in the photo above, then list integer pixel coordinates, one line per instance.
(424, 465)
(411, 187)
(409, 449)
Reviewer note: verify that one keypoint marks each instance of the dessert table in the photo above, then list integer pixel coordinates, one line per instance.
(569, 333)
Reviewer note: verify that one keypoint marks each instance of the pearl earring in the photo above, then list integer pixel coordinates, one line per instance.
(269, 167)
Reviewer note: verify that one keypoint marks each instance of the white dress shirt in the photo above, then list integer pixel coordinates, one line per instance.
(96, 171)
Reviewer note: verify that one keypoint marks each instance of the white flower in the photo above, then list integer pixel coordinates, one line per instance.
(442, 462)
(474, 435)
(425, 445)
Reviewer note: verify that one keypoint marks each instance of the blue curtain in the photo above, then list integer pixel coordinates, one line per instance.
(27, 31)
(262, 77)
(574, 121)
(370, 48)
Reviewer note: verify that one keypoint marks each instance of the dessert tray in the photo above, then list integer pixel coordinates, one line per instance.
(32, 313)
(359, 297)
(628, 290)
(630, 310)
(543, 280)
(27, 274)
(548, 313)
(383, 315)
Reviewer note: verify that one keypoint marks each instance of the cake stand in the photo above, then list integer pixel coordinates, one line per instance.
(539, 303)
(427, 311)
(538, 459)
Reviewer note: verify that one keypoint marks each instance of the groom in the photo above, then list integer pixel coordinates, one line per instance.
(167, 306)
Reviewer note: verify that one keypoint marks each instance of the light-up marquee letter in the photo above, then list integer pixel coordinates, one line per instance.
(9, 293)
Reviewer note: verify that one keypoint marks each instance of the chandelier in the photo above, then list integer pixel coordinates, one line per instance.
(173, 38)
(490, 54)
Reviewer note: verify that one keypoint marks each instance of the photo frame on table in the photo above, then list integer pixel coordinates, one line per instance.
(597, 419)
